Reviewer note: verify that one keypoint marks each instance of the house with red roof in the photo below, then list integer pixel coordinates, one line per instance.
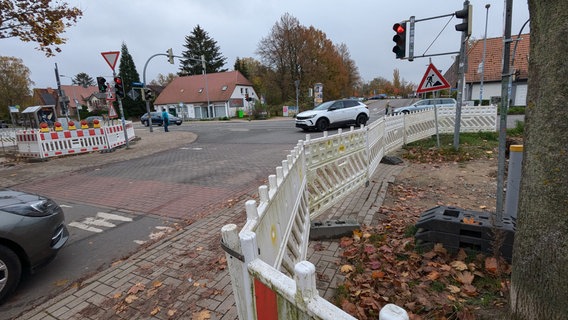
(77, 96)
(491, 74)
(215, 95)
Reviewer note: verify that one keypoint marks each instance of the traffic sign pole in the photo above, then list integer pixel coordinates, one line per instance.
(111, 57)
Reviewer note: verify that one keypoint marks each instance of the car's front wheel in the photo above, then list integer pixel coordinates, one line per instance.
(145, 123)
(322, 124)
(10, 271)
(361, 120)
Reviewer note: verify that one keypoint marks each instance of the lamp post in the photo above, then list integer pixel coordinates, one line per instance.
(483, 56)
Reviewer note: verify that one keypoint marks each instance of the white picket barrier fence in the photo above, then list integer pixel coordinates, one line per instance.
(36, 144)
(267, 256)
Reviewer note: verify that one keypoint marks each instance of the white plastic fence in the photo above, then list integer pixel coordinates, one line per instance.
(36, 144)
(265, 257)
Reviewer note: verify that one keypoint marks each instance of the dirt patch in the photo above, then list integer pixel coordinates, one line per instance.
(470, 185)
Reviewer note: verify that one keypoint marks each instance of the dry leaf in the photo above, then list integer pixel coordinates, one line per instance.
(347, 268)
(433, 275)
(378, 274)
(491, 265)
(453, 289)
(203, 315)
(136, 288)
(155, 311)
(171, 312)
(465, 277)
(117, 295)
(131, 298)
(459, 265)
(156, 284)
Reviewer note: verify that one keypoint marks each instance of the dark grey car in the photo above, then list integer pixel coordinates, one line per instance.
(32, 230)
(157, 119)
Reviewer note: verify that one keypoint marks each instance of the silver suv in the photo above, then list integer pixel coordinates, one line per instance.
(426, 103)
(335, 113)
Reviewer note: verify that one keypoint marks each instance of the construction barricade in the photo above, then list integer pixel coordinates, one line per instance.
(45, 143)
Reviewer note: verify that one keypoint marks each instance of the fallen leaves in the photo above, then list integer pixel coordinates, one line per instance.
(381, 266)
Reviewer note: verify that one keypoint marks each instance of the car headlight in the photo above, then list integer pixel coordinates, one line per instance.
(309, 117)
(40, 208)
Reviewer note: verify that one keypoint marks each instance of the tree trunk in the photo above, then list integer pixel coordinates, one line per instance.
(539, 282)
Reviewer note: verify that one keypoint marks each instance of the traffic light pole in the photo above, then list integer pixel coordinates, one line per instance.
(121, 114)
(170, 56)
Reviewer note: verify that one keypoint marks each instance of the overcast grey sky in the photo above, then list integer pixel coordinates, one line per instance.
(149, 27)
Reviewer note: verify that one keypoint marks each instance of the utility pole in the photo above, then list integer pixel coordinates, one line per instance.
(505, 76)
(62, 102)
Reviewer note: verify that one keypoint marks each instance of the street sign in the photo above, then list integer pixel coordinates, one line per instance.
(111, 57)
(432, 81)
(138, 84)
(133, 94)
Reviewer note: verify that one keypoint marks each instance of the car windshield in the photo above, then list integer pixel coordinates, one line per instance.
(324, 105)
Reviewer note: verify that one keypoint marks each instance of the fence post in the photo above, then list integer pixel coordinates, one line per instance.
(305, 277)
(250, 253)
(231, 240)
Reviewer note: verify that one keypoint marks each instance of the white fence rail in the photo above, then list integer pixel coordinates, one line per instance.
(270, 250)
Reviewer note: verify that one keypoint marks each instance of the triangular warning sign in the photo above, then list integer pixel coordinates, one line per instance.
(432, 81)
(111, 57)
(112, 112)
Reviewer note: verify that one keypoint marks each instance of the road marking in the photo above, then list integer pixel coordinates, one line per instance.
(101, 219)
(85, 227)
(110, 216)
(65, 206)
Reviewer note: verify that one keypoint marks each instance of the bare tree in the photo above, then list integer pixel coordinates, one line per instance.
(539, 279)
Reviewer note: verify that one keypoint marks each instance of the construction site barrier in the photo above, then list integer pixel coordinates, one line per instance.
(45, 144)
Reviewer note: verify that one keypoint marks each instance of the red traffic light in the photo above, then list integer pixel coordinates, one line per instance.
(117, 80)
(398, 28)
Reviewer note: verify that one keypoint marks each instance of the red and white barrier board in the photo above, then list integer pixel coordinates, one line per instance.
(36, 144)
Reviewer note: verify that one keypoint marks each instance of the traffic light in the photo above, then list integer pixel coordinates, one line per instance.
(118, 87)
(400, 39)
(148, 95)
(102, 84)
(465, 14)
(170, 56)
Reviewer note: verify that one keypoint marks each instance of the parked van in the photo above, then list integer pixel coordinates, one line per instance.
(426, 103)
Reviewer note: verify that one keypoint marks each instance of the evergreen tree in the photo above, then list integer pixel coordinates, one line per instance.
(83, 79)
(127, 70)
(241, 66)
(197, 44)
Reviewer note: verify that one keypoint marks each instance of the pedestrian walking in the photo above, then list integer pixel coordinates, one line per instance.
(165, 120)
(387, 108)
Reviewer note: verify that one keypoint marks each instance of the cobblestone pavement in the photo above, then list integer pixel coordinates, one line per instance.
(184, 276)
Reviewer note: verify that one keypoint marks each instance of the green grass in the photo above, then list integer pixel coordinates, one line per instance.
(518, 130)
(471, 146)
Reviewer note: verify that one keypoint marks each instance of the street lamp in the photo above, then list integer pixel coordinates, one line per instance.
(483, 57)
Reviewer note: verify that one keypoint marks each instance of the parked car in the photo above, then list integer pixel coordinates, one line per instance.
(378, 96)
(426, 103)
(335, 113)
(157, 119)
(32, 231)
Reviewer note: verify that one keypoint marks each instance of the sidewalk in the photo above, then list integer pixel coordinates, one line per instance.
(185, 276)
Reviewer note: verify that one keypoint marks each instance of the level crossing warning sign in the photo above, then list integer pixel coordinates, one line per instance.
(432, 81)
